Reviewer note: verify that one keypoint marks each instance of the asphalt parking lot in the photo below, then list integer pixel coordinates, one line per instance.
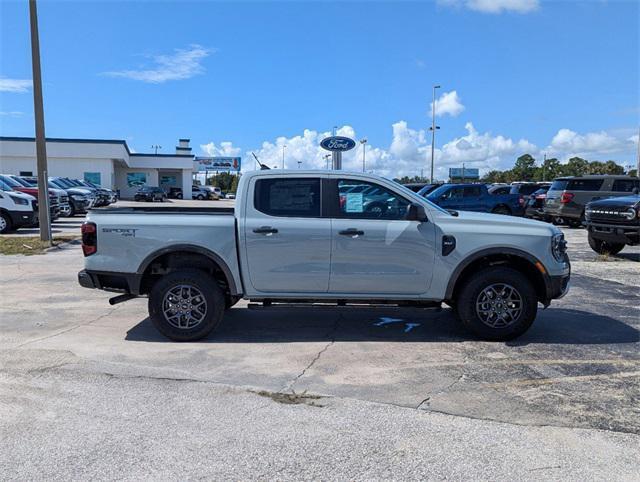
(92, 390)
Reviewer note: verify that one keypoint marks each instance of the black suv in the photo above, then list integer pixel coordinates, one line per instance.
(613, 223)
(150, 193)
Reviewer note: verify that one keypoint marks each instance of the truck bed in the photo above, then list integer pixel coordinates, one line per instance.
(163, 210)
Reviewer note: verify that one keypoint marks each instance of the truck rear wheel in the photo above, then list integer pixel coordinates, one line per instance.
(186, 305)
(497, 304)
(604, 247)
(501, 209)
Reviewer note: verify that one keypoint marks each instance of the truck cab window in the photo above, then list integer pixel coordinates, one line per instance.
(291, 197)
(365, 200)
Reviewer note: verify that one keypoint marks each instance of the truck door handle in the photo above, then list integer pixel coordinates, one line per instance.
(268, 230)
(351, 232)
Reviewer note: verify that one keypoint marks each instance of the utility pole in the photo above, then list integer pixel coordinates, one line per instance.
(41, 143)
(299, 162)
(463, 173)
(156, 147)
(364, 150)
(283, 148)
(638, 159)
(544, 166)
(433, 128)
(326, 158)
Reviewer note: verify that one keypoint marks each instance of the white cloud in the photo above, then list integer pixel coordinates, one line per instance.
(567, 143)
(494, 6)
(182, 64)
(225, 149)
(14, 113)
(15, 85)
(448, 103)
(409, 152)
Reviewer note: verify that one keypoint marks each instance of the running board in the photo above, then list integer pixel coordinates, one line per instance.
(264, 304)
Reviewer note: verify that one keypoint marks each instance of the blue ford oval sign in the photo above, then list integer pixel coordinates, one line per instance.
(337, 143)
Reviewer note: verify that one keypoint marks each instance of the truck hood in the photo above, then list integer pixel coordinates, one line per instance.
(496, 222)
(623, 201)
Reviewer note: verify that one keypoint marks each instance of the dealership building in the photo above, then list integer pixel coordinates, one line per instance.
(106, 162)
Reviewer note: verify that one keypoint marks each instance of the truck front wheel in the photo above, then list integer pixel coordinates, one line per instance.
(604, 247)
(497, 304)
(186, 305)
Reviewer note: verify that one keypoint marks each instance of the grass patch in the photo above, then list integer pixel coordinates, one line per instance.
(29, 245)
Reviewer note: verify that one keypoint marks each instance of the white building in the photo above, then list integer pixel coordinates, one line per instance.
(109, 163)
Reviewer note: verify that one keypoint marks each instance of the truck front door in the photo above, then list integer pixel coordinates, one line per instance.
(375, 251)
(287, 242)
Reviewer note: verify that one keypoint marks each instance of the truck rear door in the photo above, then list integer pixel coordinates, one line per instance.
(287, 242)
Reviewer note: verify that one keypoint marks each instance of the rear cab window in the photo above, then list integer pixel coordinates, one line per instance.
(290, 197)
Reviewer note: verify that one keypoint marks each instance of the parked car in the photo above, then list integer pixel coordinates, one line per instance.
(80, 199)
(534, 207)
(63, 197)
(527, 188)
(613, 223)
(150, 194)
(568, 196)
(284, 242)
(200, 193)
(17, 209)
(175, 193)
(54, 209)
(475, 197)
(428, 188)
(230, 195)
(110, 195)
(103, 196)
(214, 193)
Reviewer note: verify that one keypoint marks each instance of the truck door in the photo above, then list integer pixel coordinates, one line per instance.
(374, 249)
(473, 199)
(287, 242)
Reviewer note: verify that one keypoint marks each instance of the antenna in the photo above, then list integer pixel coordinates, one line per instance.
(262, 166)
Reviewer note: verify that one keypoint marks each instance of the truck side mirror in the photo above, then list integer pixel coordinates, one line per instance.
(416, 212)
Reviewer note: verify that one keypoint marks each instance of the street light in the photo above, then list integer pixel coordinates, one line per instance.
(433, 128)
(283, 148)
(326, 158)
(364, 150)
(299, 162)
(156, 147)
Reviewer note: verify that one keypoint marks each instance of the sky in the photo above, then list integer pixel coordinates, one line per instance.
(559, 78)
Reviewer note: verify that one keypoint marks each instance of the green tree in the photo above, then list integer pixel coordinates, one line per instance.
(575, 167)
(611, 167)
(234, 184)
(524, 168)
(551, 168)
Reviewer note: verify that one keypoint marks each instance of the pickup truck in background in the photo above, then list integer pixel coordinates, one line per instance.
(476, 197)
(324, 237)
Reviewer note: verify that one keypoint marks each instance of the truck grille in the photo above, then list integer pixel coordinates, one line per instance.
(611, 215)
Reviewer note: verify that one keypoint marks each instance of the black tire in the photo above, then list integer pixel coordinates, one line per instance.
(604, 247)
(5, 223)
(72, 210)
(179, 196)
(473, 292)
(501, 209)
(208, 289)
(200, 197)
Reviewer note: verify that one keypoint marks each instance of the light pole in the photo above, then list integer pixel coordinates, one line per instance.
(433, 128)
(156, 147)
(41, 143)
(283, 148)
(326, 158)
(364, 150)
(299, 162)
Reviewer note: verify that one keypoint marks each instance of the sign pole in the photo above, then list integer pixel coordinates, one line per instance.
(41, 143)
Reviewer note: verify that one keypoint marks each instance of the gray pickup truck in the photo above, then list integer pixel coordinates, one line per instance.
(313, 237)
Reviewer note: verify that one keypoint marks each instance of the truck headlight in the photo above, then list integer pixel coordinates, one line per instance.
(79, 197)
(629, 214)
(19, 200)
(558, 246)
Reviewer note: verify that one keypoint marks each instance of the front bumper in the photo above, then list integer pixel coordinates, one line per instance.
(615, 233)
(21, 219)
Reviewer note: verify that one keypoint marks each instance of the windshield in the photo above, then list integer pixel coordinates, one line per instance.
(62, 183)
(4, 186)
(10, 182)
(21, 181)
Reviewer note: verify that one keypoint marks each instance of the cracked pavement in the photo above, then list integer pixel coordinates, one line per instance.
(91, 390)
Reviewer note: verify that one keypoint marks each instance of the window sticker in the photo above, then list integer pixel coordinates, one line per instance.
(354, 202)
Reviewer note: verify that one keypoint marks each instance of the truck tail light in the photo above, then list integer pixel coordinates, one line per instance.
(89, 238)
(566, 197)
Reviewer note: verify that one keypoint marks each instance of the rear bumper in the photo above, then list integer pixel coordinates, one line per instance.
(110, 281)
(563, 211)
